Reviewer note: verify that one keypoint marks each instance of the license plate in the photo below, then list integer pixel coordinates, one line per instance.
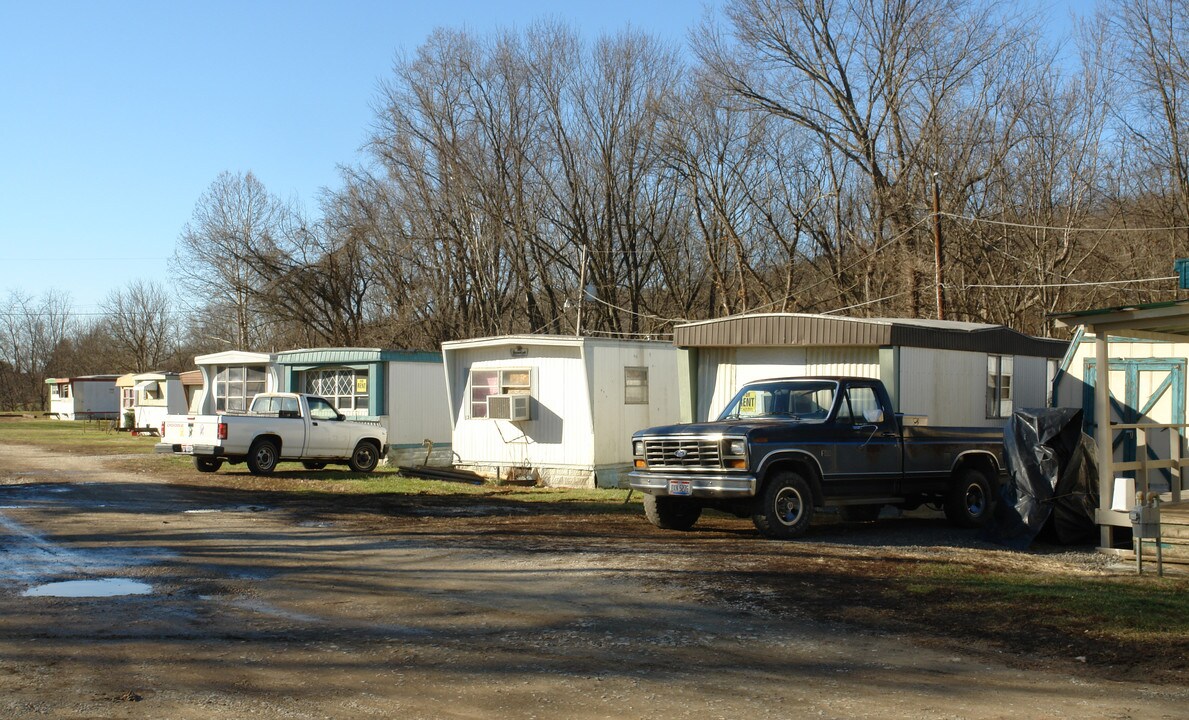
(679, 487)
(188, 449)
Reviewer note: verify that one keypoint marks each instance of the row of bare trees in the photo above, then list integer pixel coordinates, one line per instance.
(529, 181)
(534, 181)
(43, 338)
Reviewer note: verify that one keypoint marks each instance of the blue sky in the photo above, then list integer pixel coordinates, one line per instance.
(115, 117)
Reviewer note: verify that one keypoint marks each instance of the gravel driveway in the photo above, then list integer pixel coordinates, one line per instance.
(272, 606)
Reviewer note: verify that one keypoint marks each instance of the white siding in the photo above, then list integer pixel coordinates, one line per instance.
(722, 371)
(416, 409)
(1071, 387)
(949, 386)
(1031, 382)
(614, 419)
(560, 433)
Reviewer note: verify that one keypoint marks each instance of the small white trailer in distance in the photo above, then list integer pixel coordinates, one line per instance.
(277, 427)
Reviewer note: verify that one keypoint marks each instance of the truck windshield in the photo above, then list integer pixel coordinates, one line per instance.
(805, 400)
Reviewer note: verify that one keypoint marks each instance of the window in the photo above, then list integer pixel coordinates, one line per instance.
(496, 381)
(803, 400)
(635, 386)
(127, 397)
(276, 406)
(345, 388)
(235, 386)
(320, 410)
(859, 401)
(999, 386)
(60, 391)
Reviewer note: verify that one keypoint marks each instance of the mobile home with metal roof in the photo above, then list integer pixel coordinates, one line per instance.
(403, 390)
(952, 373)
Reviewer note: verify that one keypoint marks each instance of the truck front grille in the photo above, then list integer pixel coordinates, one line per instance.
(682, 453)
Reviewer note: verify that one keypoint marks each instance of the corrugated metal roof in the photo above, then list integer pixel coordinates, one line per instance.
(353, 356)
(782, 329)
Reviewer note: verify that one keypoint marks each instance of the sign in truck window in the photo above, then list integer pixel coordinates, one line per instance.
(801, 400)
(747, 404)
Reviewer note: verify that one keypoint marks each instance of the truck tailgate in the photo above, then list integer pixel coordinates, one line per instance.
(194, 430)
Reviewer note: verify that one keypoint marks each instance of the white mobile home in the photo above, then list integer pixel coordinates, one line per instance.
(953, 373)
(558, 409)
(156, 395)
(88, 397)
(403, 390)
(231, 379)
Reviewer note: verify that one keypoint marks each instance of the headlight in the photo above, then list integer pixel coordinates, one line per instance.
(638, 447)
(736, 447)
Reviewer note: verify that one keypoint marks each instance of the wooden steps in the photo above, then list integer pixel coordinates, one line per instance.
(1174, 536)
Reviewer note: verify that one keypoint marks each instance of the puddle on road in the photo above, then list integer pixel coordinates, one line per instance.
(108, 587)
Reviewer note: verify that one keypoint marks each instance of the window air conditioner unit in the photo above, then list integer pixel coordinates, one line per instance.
(509, 407)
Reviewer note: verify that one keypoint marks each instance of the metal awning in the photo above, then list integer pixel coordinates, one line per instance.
(146, 386)
(1154, 321)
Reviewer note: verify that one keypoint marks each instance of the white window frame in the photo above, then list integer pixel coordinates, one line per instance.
(1000, 385)
(340, 386)
(236, 386)
(508, 381)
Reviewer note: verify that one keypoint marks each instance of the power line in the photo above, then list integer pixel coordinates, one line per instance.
(1059, 285)
(1058, 228)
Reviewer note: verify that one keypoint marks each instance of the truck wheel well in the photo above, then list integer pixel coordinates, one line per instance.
(983, 463)
(798, 465)
(274, 439)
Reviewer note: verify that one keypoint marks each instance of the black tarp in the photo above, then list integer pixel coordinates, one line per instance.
(1052, 483)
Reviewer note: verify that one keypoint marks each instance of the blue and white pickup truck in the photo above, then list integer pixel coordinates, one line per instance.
(783, 448)
(277, 427)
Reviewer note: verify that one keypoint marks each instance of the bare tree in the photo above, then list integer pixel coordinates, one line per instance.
(234, 222)
(140, 320)
(890, 91)
(32, 330)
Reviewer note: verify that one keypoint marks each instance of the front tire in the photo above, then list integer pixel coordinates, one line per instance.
(671, 513)
(969, 502)
(263, 457)
(785, 508)
(207, 465)
(365, 457)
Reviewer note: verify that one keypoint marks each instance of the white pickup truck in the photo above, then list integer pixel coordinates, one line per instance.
(278, 426)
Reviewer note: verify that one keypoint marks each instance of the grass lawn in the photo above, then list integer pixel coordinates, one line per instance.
(94, 439)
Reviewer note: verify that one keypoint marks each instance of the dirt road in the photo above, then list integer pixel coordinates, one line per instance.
(270, 606)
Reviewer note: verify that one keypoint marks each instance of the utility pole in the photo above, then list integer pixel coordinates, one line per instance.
(581, 291)
(937, 246)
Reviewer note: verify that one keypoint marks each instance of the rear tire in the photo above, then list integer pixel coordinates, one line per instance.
(672, 513)
(969, 502)
(207, 465)
(785, 508)
(365, 457)
(262, 457)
